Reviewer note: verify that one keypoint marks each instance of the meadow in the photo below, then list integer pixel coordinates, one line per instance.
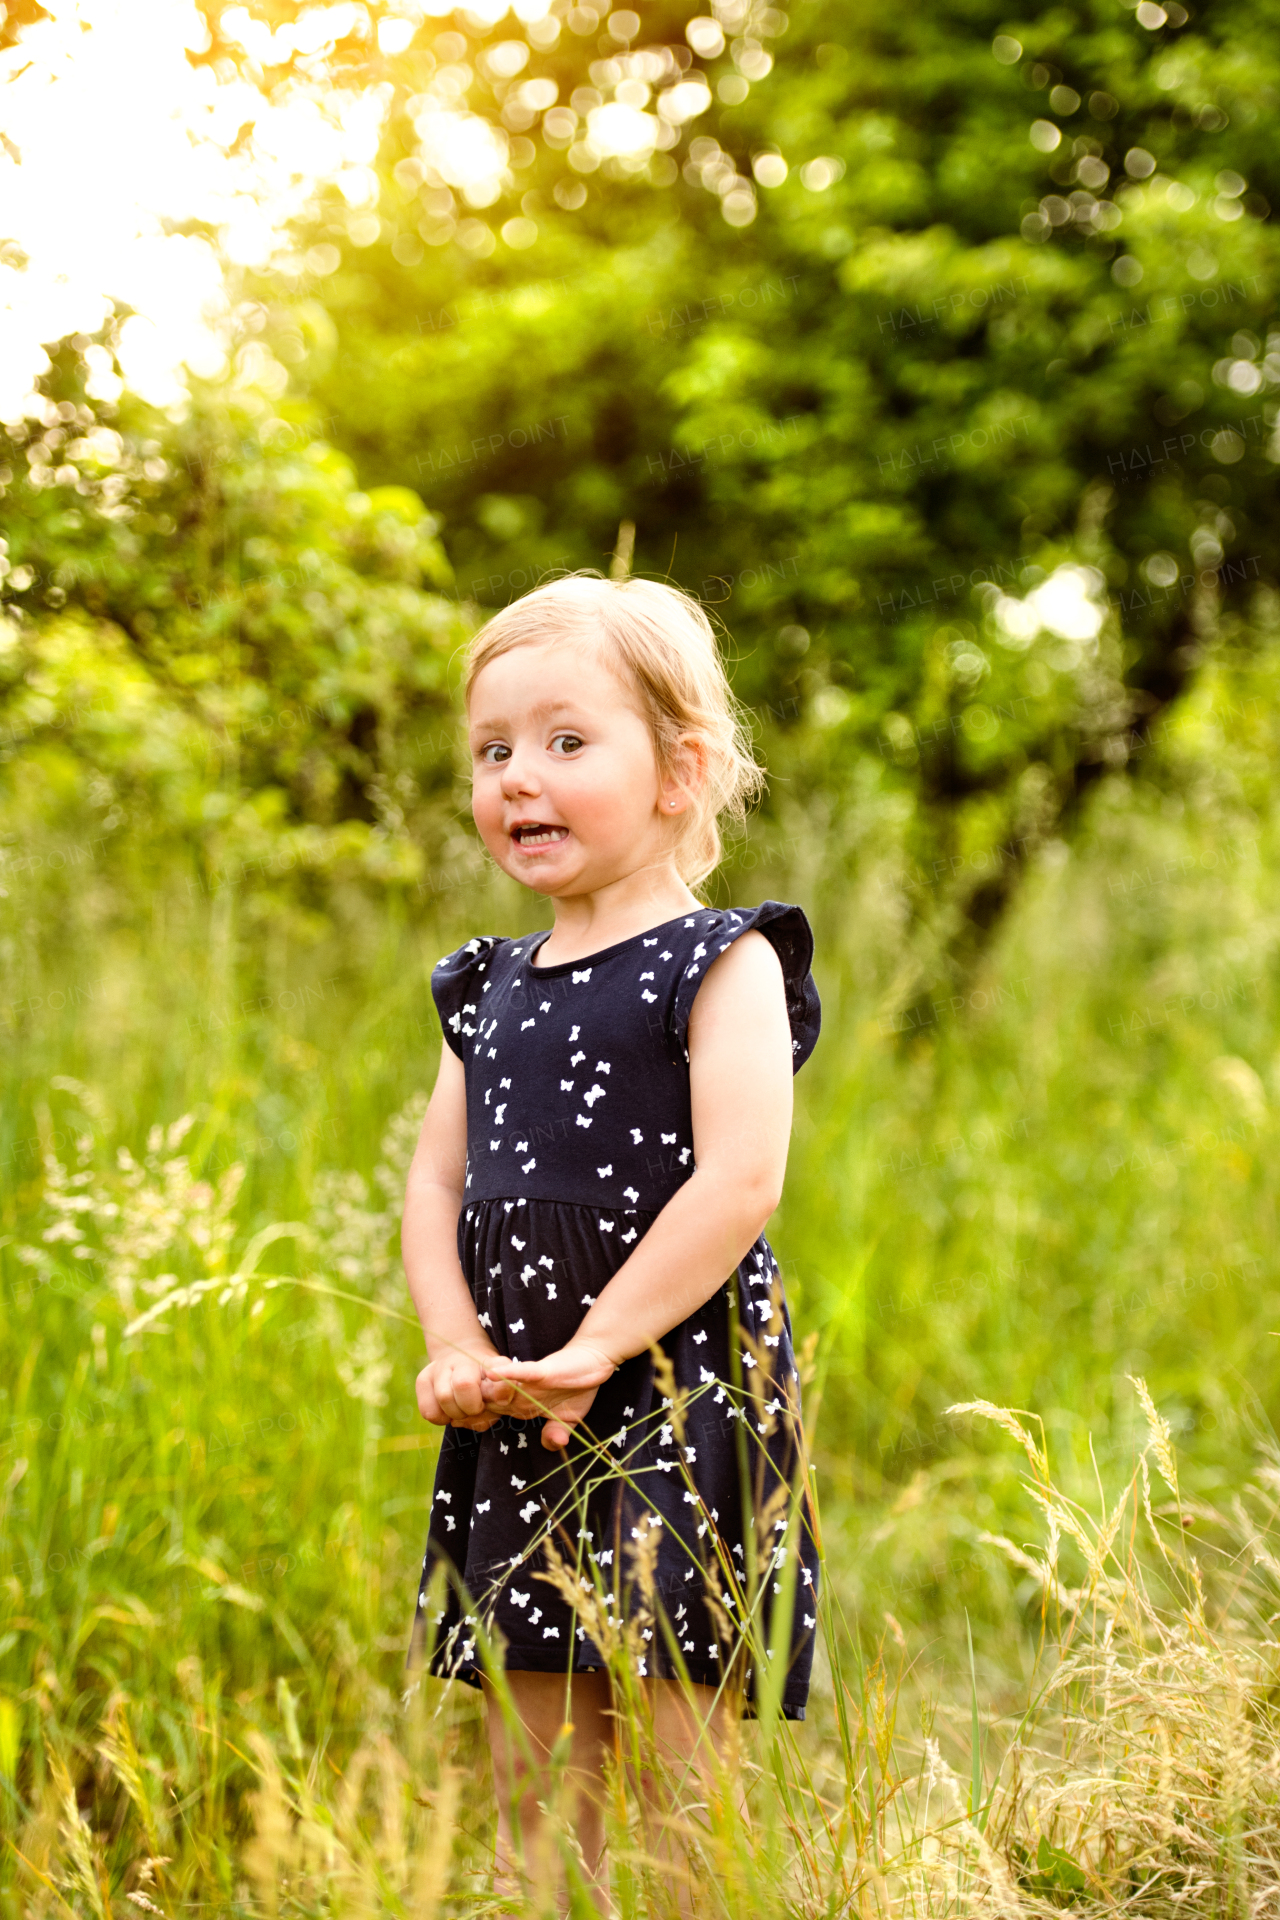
(1048, 1664)
(934, 350)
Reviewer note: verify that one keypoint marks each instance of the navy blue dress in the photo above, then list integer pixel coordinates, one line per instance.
(579, 1131)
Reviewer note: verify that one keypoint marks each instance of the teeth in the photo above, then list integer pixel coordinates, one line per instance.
(539, 836)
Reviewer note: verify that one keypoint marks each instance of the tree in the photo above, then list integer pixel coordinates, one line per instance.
(930, 347)
(968, 413)
(218, 642)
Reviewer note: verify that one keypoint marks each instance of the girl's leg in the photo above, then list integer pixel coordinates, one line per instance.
(544, 1702)
(695, 1754)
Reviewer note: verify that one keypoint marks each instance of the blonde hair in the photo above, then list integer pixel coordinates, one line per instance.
(661, 640)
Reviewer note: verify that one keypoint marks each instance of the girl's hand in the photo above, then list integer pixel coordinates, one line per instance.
(455, 1391)
(562, 1386)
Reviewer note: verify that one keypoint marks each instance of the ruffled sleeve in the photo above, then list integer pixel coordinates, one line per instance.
(457, 982)
(789, 933)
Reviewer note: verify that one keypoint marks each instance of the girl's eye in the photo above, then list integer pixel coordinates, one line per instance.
(566, 743)
(495, 753)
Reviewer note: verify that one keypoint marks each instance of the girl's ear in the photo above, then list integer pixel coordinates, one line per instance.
(686, 774)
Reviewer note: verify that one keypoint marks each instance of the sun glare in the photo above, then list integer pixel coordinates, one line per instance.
(135, 183)
(114, 140)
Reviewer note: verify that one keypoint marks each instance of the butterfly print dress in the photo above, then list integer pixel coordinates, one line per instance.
(578, 1133)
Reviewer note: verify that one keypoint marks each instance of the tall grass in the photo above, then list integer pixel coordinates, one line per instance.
(1018, 1192)
(1140, 1771)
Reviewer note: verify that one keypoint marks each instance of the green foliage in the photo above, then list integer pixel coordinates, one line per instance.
(1069, 1177)
(214, 642)
(892, 398)
(964, 426)
(1035, 1153)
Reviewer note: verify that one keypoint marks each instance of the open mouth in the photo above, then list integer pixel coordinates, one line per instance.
(534, 834)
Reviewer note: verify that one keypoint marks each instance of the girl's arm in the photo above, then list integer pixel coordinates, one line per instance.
(452, 1389)
(740, 1078)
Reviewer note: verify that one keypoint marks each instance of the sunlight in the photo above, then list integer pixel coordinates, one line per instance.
(115, 140)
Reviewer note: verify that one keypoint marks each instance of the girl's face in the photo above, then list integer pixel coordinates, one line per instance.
(565, 788)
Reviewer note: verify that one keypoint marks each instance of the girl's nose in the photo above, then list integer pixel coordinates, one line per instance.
(518, 775)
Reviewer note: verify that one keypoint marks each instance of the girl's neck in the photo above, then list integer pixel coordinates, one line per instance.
(587, 923)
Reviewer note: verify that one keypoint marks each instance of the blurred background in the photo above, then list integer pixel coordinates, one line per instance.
(929, 346)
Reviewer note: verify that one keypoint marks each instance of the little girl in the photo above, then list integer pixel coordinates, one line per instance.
(622, 1459)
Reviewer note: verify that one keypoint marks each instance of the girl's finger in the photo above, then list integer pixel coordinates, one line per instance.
(522, 1408)
(468, 1397)
(555, 1436)
(428, 1405)
(530, 1371)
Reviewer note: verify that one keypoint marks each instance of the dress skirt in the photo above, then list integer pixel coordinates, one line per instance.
(675, 1530)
